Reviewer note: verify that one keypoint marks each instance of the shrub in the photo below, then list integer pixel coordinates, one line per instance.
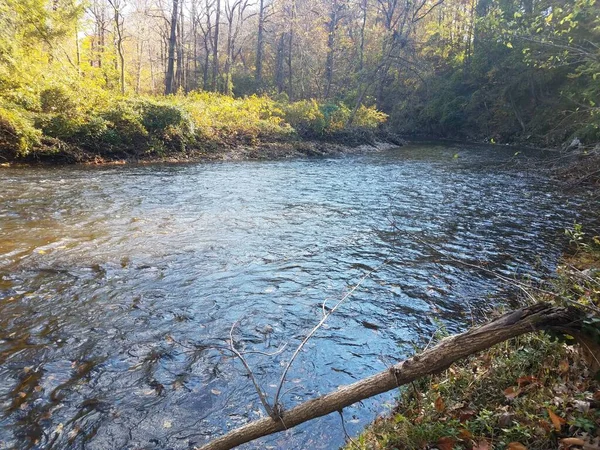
(56, 100)
(369, 117)
(305, 117)
(17, 133)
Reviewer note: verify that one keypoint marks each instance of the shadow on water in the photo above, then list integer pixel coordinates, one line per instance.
(119, 285)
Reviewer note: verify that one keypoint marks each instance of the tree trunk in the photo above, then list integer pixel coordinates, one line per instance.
(291, 52)
(118, 24)
(260, 45)
(229, 49)
(435, 360)
(363, 27)
(331, 26)
(215, 74)
(279, 64)
(169, 77)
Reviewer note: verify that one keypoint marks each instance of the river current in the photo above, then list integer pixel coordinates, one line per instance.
(119, 285)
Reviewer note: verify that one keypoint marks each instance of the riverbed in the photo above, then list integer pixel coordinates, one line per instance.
(119, 285)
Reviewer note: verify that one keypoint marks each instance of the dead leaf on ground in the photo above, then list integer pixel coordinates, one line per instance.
(465, 434)
(516, 446)
(482, 445)
(440, 406)
(523, 381)
(567, 443)
(511, 393)
(466, 414)
(446, 443)
(564, 366)
(557, 421)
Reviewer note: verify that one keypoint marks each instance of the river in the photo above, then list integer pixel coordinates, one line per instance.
(119, 285)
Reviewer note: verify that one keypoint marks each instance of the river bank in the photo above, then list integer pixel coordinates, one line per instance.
(534, 392)
(67, 155)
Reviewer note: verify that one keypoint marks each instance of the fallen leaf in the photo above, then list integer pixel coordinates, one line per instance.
(482, 445)
(511, 393)
(465, 434)
(215, 392)
(59, 428)
(567, 443)
(167, 424)
(516, 446)
(446, 443)
(523, 381)
(564, 366)
(557, 421)
(597, 396)
(440, 406)
(545, 425)
(465, 414)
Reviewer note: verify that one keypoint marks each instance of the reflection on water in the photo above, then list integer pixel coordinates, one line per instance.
(118, 285)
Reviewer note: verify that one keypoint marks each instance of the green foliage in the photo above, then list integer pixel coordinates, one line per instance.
(56, 99)
(17, 133)
(306, 117)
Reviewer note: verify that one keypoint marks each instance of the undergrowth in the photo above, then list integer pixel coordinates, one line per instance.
(86, 121)
(535, 392)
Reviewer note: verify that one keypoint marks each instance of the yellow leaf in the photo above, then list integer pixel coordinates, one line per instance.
(557, 421)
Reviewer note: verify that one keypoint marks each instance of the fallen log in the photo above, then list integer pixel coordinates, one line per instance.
(539, 317)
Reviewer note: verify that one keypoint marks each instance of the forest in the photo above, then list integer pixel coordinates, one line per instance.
(141, 77)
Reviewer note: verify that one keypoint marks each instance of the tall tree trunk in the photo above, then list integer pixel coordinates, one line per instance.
(260, 45)
(140, 51)
(279, 64)
(361, 62)
(215, 74)
(291, 51)
(78, 50)
(118, 18)
(180, 64)
(169, 77)
(229, 49)
(331, 26)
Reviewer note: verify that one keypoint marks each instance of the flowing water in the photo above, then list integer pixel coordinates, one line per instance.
(119, 285)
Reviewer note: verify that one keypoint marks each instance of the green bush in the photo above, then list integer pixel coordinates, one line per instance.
(17, 133)
(57, 100)
(305, 117)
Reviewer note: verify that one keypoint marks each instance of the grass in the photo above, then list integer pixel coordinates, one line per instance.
(535, 392)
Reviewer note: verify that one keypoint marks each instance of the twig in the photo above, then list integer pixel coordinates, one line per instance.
(259, 391)
(341, 413)
(316, 328)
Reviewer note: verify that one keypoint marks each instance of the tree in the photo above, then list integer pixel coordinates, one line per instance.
(170, 75)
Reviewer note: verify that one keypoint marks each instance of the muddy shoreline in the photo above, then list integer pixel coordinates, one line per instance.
(263, 151)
